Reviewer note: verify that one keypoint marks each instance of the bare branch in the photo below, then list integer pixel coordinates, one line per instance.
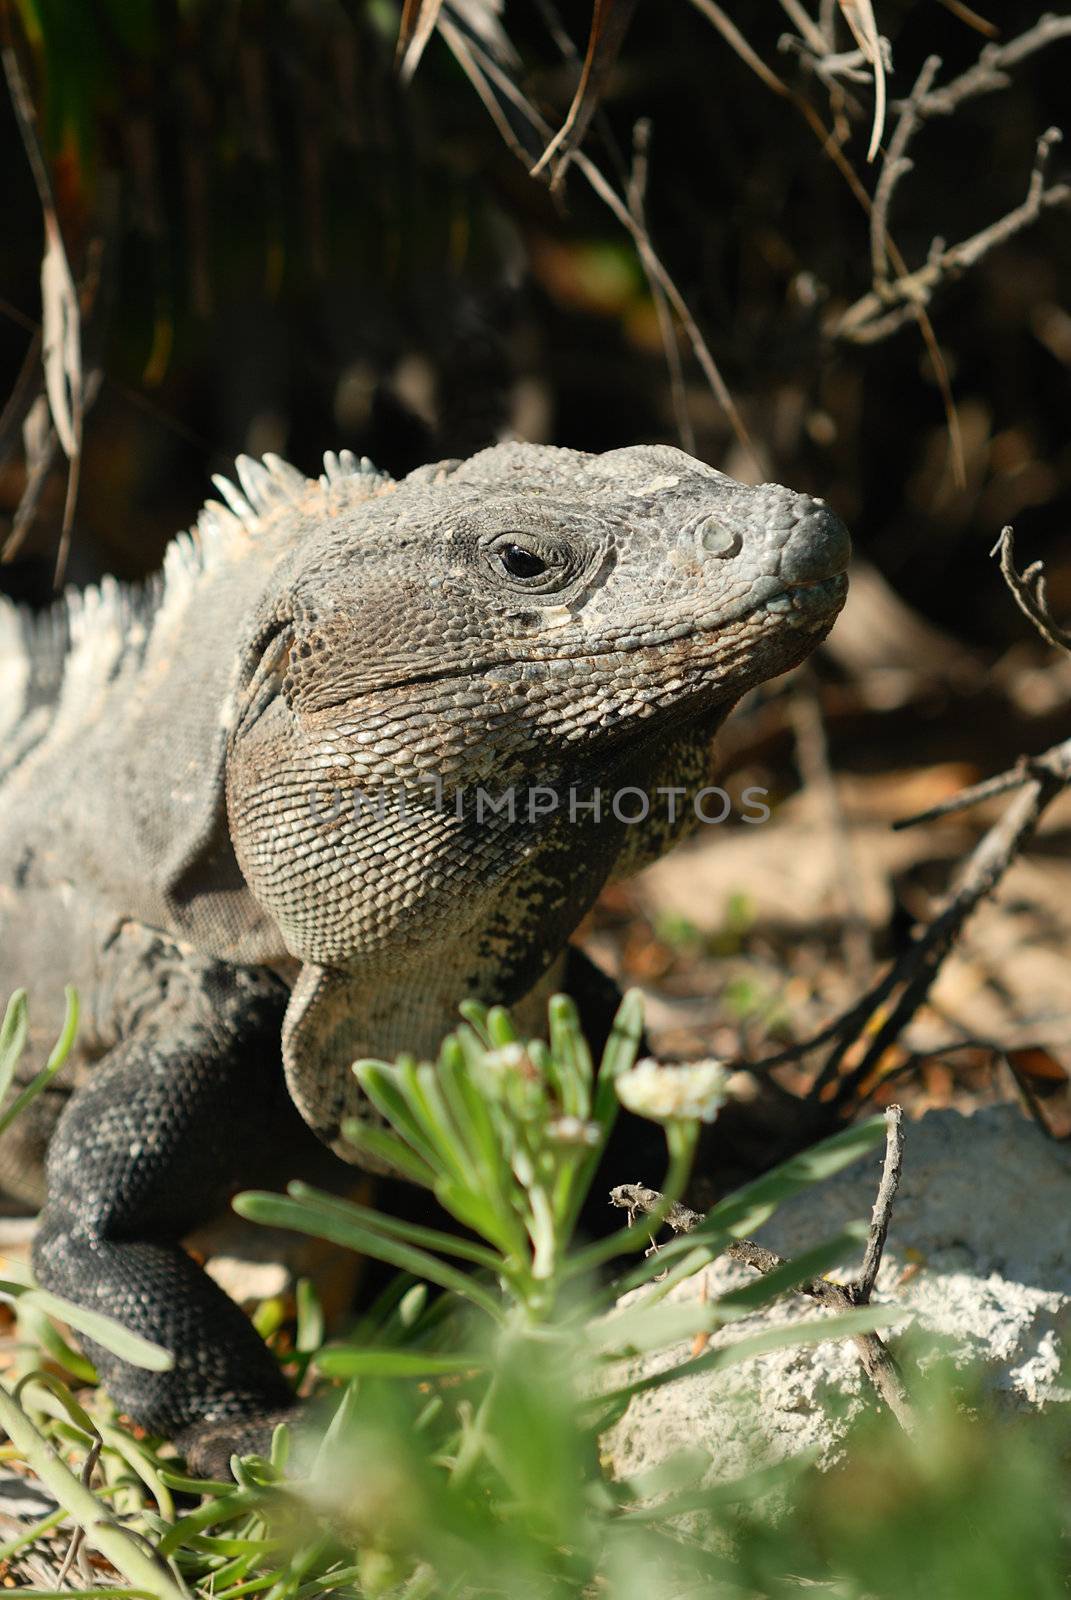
(918, 968)
(1014, 778)
(894, 167)
(864, 322)
(832, 149)
(653, 266)
(809, 30)
(1029, 590)
(892, 1168)
(990, 72)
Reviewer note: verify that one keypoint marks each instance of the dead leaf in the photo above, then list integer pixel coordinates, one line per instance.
(1044, 1072)
(859, 15)
(609, 24)
(418, 22)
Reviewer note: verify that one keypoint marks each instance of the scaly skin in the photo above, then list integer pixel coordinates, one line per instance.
(181, 836)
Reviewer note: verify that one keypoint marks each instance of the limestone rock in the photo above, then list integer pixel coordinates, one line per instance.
(979, 1255)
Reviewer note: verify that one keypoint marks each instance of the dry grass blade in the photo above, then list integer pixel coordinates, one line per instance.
(39, 440)
(609, 24)
(61, 318)
(859, 15)
(61, 342)
(972, 18)
(518, 120)
(417, 25)
(514, 116)
(26, 388)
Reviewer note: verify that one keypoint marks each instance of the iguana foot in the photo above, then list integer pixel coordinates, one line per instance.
(209, 1446)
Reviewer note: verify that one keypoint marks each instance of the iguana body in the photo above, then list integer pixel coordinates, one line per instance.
(179, 836)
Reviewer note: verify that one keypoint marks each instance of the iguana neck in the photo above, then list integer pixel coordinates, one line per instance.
(336, 1018)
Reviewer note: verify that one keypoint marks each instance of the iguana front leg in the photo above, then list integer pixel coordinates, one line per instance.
(188, 1106)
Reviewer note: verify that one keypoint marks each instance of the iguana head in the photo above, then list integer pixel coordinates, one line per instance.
(531, 616)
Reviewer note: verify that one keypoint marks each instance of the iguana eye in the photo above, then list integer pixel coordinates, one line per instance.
(521, 563)
(535, 562)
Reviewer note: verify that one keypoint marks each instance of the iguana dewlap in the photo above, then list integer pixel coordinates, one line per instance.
(230, 817)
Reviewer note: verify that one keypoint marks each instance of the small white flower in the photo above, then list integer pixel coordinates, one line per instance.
(508, 1058)
(667, 1094)
(574, 1131)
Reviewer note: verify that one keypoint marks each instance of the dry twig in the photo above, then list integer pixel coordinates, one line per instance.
(1040, 779)
(990, 72)
(831, 147)
(870, 318)
(877, 1360)
(1029, 591)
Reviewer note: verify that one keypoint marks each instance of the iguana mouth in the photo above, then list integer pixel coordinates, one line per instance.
(810, 602)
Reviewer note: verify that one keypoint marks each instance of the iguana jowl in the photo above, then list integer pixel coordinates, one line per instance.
(172, 840)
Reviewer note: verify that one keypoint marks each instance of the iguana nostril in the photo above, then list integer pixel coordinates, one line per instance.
(818, 547)
(713, 538)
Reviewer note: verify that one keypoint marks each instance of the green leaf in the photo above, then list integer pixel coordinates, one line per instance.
(798, 1172)
(322, 1220)
(426, 1098)
(56, 1386)
(474, 1211)
(103, 1331)
(786, 1336)
(12, 1038)
(572, 1058)
(385, 1147)
(60, 1051)
(639, 1328)
(618, 1056)
(310, 1317)
(397, 1227)
(36, 1327)
(470, 1112)
(387, 1088)
(475, 1015)
(345, 1361)
(500, 1028)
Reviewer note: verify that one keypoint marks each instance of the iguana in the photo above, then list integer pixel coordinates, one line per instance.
(193, 832)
